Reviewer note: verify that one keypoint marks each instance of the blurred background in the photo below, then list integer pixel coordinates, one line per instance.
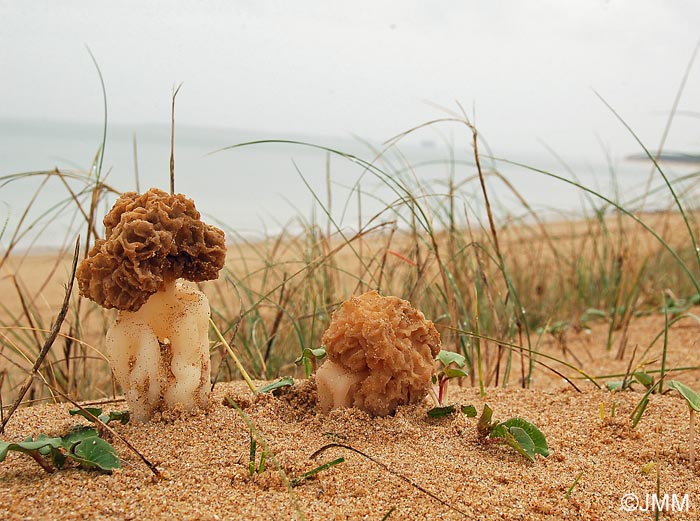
(348, 76)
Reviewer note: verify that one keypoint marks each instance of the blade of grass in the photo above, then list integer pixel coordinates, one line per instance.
(49, 341)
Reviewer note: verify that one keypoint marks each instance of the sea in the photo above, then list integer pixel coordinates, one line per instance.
(259, 184)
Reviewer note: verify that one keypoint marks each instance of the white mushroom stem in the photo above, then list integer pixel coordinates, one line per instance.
(160, 353)
(335, 386)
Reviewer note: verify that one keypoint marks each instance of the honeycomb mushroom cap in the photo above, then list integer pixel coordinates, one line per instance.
(390, 342)
(150, 238)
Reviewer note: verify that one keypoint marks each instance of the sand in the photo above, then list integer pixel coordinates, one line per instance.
(420, 468)
(204, 457)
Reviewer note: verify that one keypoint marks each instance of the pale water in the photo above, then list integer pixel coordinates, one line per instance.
(259, 189)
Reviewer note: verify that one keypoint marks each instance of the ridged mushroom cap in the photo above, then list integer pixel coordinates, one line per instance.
(391, 343)
(150, 238)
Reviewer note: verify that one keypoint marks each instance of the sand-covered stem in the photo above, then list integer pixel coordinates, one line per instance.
(160, 353)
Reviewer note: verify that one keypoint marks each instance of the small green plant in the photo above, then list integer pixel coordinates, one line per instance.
(573, 485)
(254, 468)
(641, 377)
(306, 475)
(309, 359)
(285, 381)
(650, 385)
(648, 467)
(93, 413)
(693, 401)
(257, 466)
(520, 434)
(439, 412)
(82, 444)
(450, 367)
(450, 364)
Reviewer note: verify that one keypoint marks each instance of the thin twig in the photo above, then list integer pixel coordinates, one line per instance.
(121, 438)
(136, 164)
(237, 324)
(328, 195)
(382, 264)
(2, 407)
(533, 356)
(276, 324)
(41, 461)
(49, 341)
(232, 353)
(79, 206)
(489, 213)
(172, 142)
(388, 469)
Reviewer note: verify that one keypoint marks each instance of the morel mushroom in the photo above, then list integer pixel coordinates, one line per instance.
(158, 346)
(381, 354)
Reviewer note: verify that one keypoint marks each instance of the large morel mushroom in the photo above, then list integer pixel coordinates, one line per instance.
(158, 346)
(381, 354)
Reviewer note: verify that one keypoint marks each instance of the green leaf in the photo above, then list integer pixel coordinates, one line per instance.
(313, 472)
(58, 458)
(614, 386)
(261, 466)
(122, 417)
(523, 443)
(538, 439)
(77, 435)
(691, 397)
(95, 411)
(308, 354)
(450, 357)
(45, 450)
(592, 314)
(95, 452)
(469, 411)
(440, 412)
(30, 445)
(638, 411)
(282, 382)
(251, 455)
(484, 425)
(451, 372)
(317, 353)
(644, 378)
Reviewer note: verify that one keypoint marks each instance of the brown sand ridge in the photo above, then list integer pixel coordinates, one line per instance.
(204, 457)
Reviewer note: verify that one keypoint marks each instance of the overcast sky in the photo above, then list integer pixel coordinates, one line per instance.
(370, 68)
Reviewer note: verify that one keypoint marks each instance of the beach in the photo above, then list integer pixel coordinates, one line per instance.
(405, 466)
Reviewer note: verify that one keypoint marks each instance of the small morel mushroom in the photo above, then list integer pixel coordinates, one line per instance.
(158, 346)
(381, 354)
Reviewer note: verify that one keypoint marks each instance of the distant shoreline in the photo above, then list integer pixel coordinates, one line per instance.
(669, 157)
